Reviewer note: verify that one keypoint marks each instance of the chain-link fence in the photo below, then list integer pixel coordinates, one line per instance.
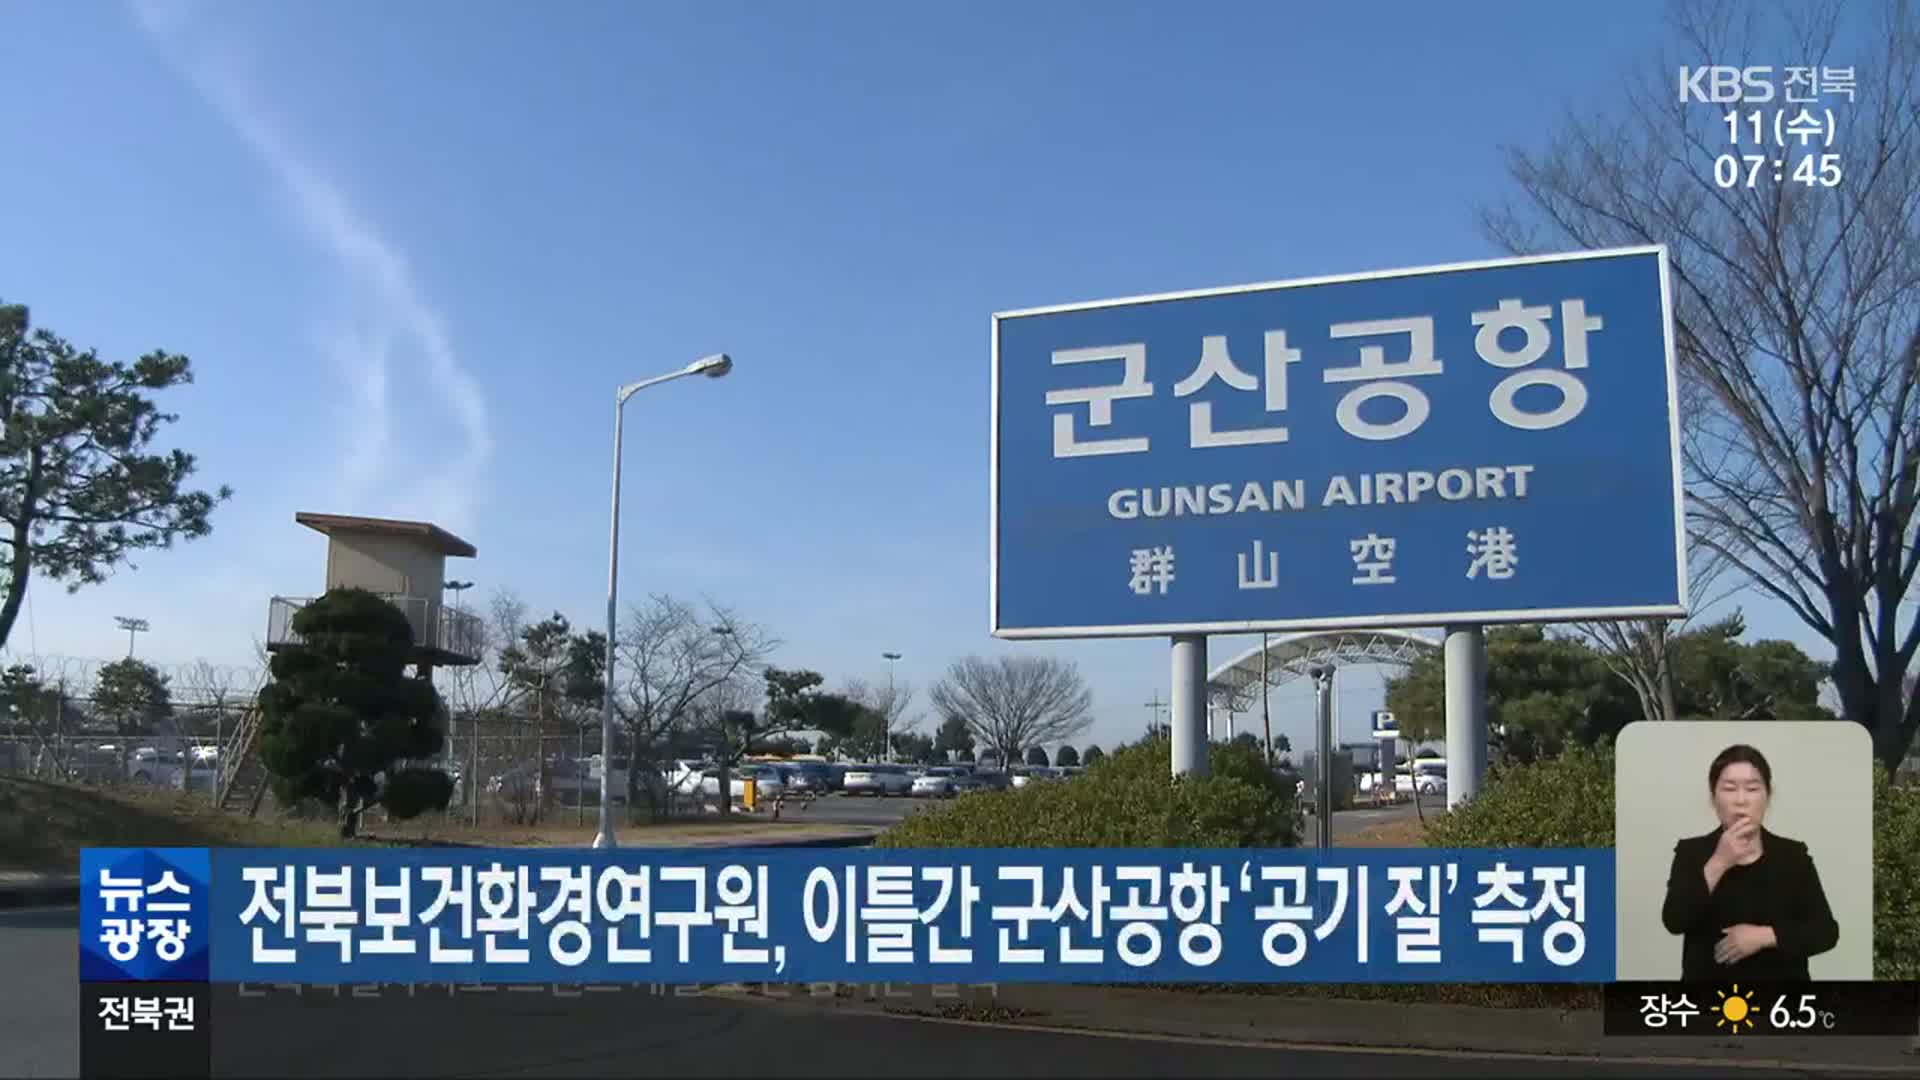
(60, 737)
(100, 759)
(535, 778)
(525, 777)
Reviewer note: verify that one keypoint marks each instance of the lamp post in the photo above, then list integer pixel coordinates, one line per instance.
(456, 588)
(132, 627)
(713, 367)
(886, 720)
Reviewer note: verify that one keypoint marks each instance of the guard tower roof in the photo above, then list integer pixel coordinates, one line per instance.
(432, 535)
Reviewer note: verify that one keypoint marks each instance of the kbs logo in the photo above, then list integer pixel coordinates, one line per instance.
(1725, 85)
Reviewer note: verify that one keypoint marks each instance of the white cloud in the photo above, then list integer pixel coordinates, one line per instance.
(401, 324)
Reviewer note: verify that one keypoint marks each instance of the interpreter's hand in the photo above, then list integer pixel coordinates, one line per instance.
(1741, 941)
(1739, 843)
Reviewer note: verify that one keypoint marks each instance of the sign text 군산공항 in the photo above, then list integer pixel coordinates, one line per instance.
(1487, 442)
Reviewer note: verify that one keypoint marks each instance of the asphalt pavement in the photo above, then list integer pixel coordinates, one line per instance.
(665, 1034)
(841, 809)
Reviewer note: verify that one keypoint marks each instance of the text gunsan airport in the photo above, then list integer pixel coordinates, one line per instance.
(1361, 489)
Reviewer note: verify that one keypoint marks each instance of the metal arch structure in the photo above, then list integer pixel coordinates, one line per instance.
(1235, 685)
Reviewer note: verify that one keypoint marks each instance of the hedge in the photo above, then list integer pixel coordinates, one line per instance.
(1128, 799)
(1568, 802)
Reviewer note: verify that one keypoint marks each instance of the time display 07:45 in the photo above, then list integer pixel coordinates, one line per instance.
(1747, 170)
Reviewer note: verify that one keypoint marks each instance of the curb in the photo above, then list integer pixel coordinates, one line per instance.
(1359, 1026)
(42, 891)
(854, 840)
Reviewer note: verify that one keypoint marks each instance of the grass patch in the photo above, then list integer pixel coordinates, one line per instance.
(1409, 833)
(44, 824)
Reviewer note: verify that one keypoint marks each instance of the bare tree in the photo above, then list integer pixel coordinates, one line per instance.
(1013, 702)
(213, 697)
(890, 700)
(32, 707)
(1640, 651)
(1796, 321)
(672, 654)
(205, 692)
(474, 691)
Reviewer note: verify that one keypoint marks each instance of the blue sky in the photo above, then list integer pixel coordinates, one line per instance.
(412, 248)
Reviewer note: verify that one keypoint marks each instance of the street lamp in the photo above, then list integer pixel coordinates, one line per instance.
(713, 367)
(886, 720)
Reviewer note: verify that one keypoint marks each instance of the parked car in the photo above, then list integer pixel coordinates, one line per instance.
(683, 776)
(992, 780)
(880, 780)
(938, 782)
(190, 771)
(767, 782)
(1027, 774)
(1427, 778)
(807, 778)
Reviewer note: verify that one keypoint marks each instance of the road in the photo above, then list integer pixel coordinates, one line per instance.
(855, 810)
(642, 1034)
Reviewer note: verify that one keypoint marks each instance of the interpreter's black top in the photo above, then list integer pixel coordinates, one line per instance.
(1781, 890)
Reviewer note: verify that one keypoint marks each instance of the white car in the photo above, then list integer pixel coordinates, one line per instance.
(1426, 779)
(767, 782)
(192, 771)
(881, 780)
(938, 782)
(684, 777)
(1027, 774)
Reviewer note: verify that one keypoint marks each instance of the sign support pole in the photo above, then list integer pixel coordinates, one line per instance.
(1190, 705)
(1323, 754)
(1466, 679)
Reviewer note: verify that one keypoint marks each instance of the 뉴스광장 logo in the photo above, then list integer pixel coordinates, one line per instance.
(144, 914)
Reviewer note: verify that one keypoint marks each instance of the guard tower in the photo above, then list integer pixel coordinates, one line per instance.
(406, 563)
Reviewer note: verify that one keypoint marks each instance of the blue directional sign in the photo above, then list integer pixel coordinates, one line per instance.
(1478, 443)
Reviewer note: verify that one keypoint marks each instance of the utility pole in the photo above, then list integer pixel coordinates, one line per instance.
(1153, 726)
(132, 627)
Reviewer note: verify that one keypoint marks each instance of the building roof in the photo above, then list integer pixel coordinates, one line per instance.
(432, 535)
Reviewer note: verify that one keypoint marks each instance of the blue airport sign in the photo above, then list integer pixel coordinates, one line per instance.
(1477, 443)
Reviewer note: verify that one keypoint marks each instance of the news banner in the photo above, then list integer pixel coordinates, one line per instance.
(161, 927)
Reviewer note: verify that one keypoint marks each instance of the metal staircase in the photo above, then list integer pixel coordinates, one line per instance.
(242, 780)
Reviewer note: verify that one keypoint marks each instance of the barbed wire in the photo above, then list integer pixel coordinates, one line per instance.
(195, 682)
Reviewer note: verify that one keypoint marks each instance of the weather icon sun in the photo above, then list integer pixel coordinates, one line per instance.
(1734, 1009)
